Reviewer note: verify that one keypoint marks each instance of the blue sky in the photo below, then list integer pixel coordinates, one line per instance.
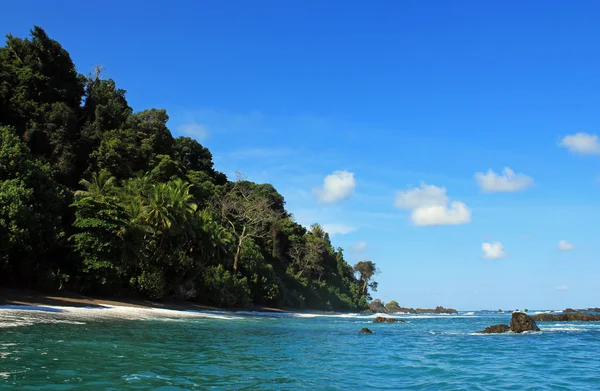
(362, 113)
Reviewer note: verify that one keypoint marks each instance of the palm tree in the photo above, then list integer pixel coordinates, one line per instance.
(180, 200)
(367, 270)
(102, 184)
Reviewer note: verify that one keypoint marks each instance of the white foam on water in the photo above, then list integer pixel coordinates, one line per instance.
(19, 316)
(564, 328)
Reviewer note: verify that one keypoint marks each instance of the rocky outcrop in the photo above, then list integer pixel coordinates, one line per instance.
(376, 306)
(365, 330)
(521, 322)
(500, 310)
(382, 319)
(437, 310)
(497, 329)
(570, 317)
(570, 311)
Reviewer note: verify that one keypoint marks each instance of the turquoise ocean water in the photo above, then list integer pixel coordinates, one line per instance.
(56, 348)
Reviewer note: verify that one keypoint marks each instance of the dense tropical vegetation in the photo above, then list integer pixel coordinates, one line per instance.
(97, 198)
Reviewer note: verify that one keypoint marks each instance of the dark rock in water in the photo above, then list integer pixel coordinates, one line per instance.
(570, 311)
(365, 330)
(521, 322)
(570, 317)
(594, 309)
(382, 319)
(526, 310)
(500, 310)
(497, 329)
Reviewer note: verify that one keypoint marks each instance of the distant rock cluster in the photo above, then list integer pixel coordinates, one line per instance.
(568, 316)
(377, 306)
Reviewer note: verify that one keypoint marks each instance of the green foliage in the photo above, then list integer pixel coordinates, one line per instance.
(222, 287)
(99, 199)
(32, 204)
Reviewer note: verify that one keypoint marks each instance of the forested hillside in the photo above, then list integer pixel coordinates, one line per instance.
(99, 199)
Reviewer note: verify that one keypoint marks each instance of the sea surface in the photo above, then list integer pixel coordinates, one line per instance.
(115, 348)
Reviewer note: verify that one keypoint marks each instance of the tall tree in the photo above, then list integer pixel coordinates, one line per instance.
(367, 270)
(247, 213)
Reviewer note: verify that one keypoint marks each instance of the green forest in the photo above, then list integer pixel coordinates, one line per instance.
(98, 199)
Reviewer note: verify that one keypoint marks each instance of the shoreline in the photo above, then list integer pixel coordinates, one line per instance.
(24, 297)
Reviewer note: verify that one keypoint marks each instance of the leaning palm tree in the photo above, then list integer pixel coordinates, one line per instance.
(101, 184)
(367, 270)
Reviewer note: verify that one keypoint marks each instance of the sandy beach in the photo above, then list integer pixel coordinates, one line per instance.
(69, 299)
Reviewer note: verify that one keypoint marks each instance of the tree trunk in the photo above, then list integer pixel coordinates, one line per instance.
(365, 287)
(239, 249)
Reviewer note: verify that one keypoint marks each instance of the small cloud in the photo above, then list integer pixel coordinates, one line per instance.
(194, 130)
(581, 143)
(338, 229)
(527, 237)
(430, 206)
(358, 247)
(562, 288)
(493, 250)
(337, 186)
(509, 181)
(563, 245)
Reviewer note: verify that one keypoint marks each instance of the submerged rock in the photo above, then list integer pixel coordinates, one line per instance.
(382, 319)
(365, 330)
(521, 322)
(496, 329)
(568, 317)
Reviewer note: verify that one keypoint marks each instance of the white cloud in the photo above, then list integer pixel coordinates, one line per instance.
(424, 196)
(194, 130)
(337, 186)
(509, 181)
(493, 250)
(562, 288)
(563, 245)
(582, 143)
(338, 229)
(429, 205)
(360, 246)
